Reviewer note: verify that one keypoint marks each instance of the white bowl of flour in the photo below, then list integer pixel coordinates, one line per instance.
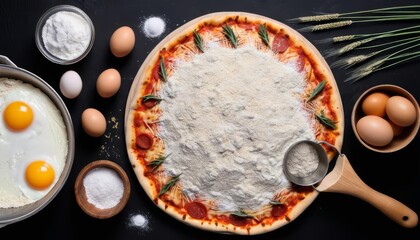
(64, 34)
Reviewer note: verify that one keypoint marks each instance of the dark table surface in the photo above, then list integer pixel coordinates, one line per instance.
(331, 215)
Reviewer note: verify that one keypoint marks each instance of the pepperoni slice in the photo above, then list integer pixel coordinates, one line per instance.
(280, 44)
(138, 122)
(279, 210)
(196, 210)
(238, 221)
(144, 141)
(300, 63)
(155, 72)
(149, 103)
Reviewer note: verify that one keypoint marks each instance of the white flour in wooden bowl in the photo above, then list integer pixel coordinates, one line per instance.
(229, 115)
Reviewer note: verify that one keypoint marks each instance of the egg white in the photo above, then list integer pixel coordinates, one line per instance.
(45, 139)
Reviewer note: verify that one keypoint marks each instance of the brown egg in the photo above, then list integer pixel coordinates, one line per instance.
(93, 122)
(122, 41)
(375, 104)
(396, 129)
(108, 83)
(401, 111)
(375, 130)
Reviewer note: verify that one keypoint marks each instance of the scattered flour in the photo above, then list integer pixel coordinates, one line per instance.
(229, 117)
(154, 27)
(139, 221)
(109, 147)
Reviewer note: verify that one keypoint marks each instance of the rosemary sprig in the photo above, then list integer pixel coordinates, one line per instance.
(241, 213)
(162, 70)
(316, 91)
(169, 185)
(158, 161)
(325, 120)
(262, 31)
(151, 97)
(198, 40)
(230, 35)
(272, 202)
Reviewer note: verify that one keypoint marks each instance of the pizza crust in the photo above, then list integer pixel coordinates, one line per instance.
(135, 94)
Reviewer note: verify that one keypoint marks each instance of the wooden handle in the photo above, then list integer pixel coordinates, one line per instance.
(351, 184)
(392, 208)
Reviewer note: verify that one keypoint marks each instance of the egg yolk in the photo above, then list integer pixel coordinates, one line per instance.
(18, 116)
(39, 174)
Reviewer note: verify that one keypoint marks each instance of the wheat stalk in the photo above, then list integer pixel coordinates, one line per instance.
(353, 60)
(377, 64)
(326, 26)
(348, 47)
(354, 45)
(334, 16)
(344, 38)
(317, 18)
(408, 38)
(404, 40)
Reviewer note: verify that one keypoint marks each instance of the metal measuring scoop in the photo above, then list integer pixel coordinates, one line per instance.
(343, 179)
(312, 177)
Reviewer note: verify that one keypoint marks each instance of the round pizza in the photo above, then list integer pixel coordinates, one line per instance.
(211, 113)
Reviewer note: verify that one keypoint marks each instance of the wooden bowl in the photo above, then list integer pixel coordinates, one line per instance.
(82, 199)
(408, 133)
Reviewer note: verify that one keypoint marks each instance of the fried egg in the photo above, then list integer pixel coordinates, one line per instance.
(33, 143)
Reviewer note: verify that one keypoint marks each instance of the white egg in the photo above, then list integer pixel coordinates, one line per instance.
(44, 139)
(71, 84)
